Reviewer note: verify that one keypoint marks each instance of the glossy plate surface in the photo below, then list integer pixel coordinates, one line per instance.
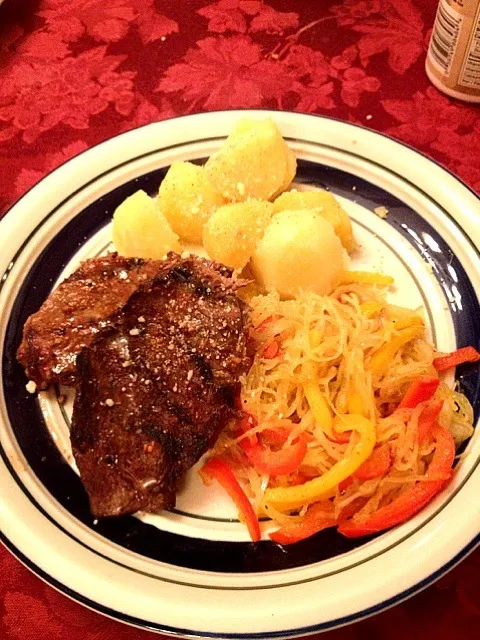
(144, 569)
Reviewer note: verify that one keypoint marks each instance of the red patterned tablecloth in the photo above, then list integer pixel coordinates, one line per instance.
(76, 72)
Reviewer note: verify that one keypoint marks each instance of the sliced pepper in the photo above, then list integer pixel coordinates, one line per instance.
(263, 325)
(320, 409)
(271, 350)
(370, 308)
(377, 465)
(428, 419)
(412, 500)
(217, 469)
(408, 321)
(319, 516)
(383, 357)
(355, 403)
(247, 422)
(282, 462)
(323, 487)
(421, 390)
(460, 356)
(315, 398)
(366, 277)
(340, 437)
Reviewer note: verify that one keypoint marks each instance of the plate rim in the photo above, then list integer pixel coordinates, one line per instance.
(285, 634)
(292, 632)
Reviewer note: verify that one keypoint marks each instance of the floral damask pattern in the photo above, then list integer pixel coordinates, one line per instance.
(75, 72)
(98, 68)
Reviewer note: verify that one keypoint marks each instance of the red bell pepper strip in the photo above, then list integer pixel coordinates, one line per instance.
(267, 321)
(275, 435)
(247, 422)
(271, 350)
(428, 419)
(460, 356)
(281, 462)
(351, 508)
(279, 435)
(412, 500)
(217, 469)
(421, 390)
(376, 466)
(344, 484)
(319, 516)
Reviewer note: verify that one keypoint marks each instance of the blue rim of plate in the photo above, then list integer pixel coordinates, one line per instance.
(290, 632)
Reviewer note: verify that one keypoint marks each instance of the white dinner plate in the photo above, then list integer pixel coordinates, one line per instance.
(192, 571)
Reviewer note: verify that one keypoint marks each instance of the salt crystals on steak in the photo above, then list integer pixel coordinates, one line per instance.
(75, 312)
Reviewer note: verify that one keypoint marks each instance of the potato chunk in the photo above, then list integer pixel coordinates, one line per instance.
(291, 171)
(232, 231)
(254, 162)
(326, 205)
(187, 199)
(299, 251)
(140, 230)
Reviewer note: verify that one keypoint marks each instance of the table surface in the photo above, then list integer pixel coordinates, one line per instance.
(76, 72)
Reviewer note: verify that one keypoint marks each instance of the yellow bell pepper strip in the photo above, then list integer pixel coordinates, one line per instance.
(217, 469)
(412, 500)
(409, 321)
(366, 277)
(316, 401)
(370, 308)
(421, 390)
(320, 409)
(355, 403)
(289, 498)
(460, 356)
(384, 356)
(318, 517)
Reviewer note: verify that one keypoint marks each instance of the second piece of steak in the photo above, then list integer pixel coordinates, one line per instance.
(155, 392)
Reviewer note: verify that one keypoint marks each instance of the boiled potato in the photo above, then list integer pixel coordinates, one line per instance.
(299, 251)
(327, 205)
(187, 199)
(254, 162)
(232, 231)
(140, 230)
(290, 173)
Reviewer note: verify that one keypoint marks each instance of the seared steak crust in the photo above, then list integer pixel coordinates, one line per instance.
(157, 386)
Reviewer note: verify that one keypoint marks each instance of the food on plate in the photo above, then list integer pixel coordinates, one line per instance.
(233, 231)
(187, 199)
(254, 162)
(73, 314)
(320, 402)
(324, 203)
(345, 420)
(299, 251)
(155, 391)
(140, 229)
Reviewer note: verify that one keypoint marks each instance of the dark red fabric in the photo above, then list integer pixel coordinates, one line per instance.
(76, 72)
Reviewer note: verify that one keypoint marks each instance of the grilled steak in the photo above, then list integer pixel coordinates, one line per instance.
(74, 313)
(155, 390)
